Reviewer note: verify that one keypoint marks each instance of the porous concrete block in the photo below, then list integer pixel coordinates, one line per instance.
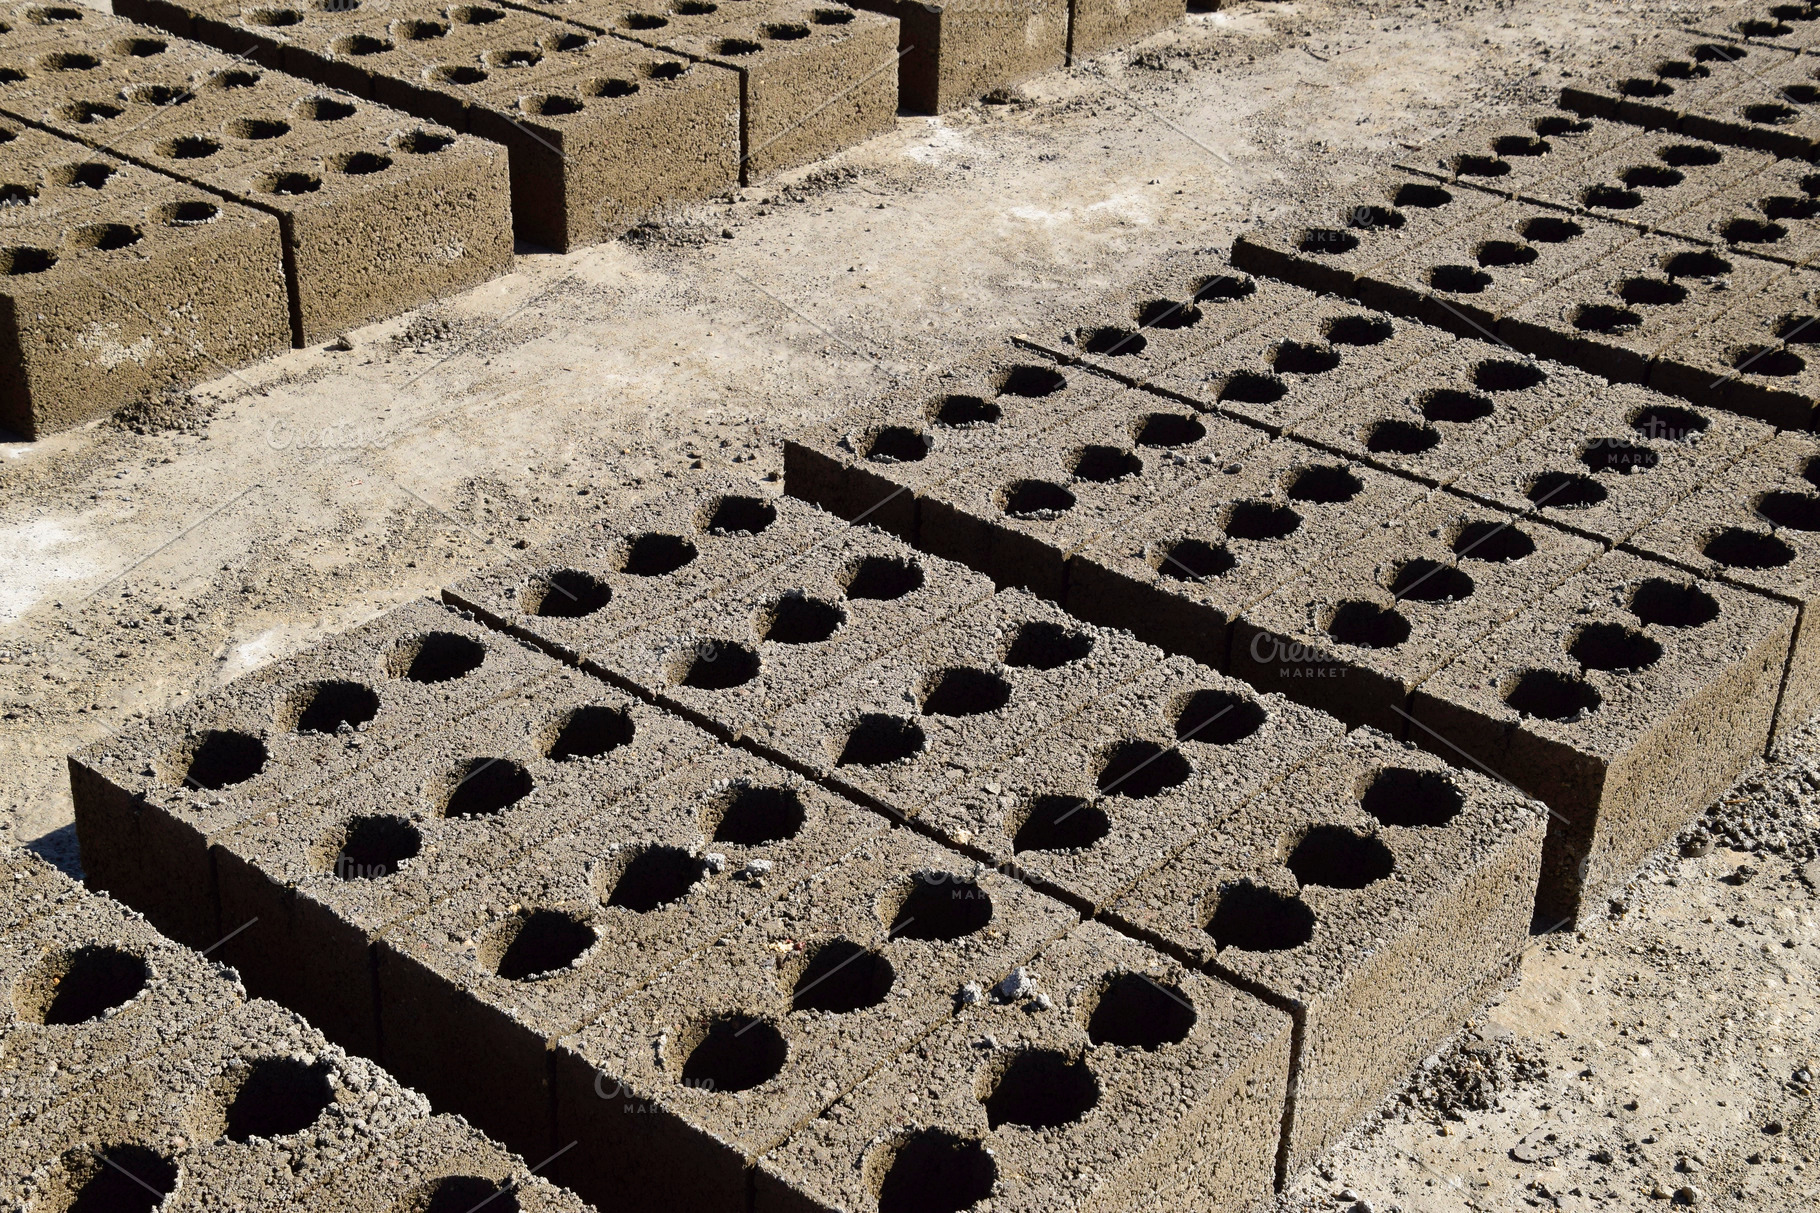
(101, 301)
(676, 1091)
(774, 640)
(1365, 627)
(1788, 26)
(1095, 26)
(958, 51)
(1653, 180)
(901, 732)
(1019, 517)
(644, 566)
(541, 947)
(442, 1163)
(872, 464)
(307, 887)
(1769, 215)
(90, 988)
(1524, 155)
(1177, 577)
(30, 888)
(1115, 1079)
(1627, 700)
(1665, 77)
(1377, 894)
(1754, 527)
(1608, 466)
(151, 799)
(1753, 357)
(1771, 114)
(1086, 810)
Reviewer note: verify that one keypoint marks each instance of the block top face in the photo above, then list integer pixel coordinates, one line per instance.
(31, 888)
(1754, 526)
(1676, 71)
(1040, 1106)
(1089, 807)
(1610, 464)
(443, 1162)
(1607, 656)
(1653, 179)
(311, 717)
(957, 701)
(555, 938)
(581, 95)
(767, 1027)
(645, 566)
(1296, 889)
(743, 34)
(1524, 153)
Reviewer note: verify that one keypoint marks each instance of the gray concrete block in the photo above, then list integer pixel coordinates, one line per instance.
(1177, 578)
(30, 888)
(1089, 808)
(901, 732)
(1121, 1080)
(1665, 77)
(1377, 894)
(1787, 26)
(442, 1163)
(1096, 26)
(1364, 628)
(1771, 115)
(1653, 180)
(676, 1091)
(1537, 153)
(150, 799)
(472, 991)
(1752, 358)
(1627, 700)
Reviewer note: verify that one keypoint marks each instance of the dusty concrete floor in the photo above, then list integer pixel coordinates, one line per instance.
(306, 494)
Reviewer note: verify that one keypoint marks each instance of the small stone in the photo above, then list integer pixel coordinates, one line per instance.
(1014, 987)
(970, 994)
(1687, 1194)
(341, 344)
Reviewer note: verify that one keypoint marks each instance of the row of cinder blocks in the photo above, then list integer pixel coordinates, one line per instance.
(138, 1075)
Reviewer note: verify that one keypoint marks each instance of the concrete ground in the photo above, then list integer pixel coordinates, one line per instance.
(149, 559)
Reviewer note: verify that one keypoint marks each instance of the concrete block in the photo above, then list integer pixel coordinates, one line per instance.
(1653, 180)
(308, 886)
(1667, 76)
(954, 53)
(901, 732)
(1452, 412)
(1614, 462)
(1769, 215)
(778, 638)
(152, 799)
(1176, 578)
(1377, 894)
(442, 1163)
(1627, 700)
(1089, 808)
(1753, 528)
(100, 298)
(1770, 115)
(1019, 517)
(678, 1090)
(643, 566)
(30, 888)
(1363, 629)
(1120, 1081)
(1527, 155)
(1787, 26)
(1095, 26)
(540, 948)
(1751, 358)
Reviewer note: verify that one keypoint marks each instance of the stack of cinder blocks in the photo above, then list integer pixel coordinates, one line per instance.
(138, 1075)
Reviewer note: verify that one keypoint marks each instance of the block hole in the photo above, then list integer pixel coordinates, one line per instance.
(1605, 318)
(534, 942)
(274, 18)
(1796, 511)
(457, 73)
(69, 61)
(714, 665)
(105, 237)
(436, 657)
(1565, 491)
(1304, 358)
(1668, 421)
(879, 739)
(481, 787)
(512, 59)
(1801, 94)
(221, 758)
(1673, 604)
(656, 555)
(728, 1053)
(1771, 114)
(1193, 560)
(1424, 580)
(1399, 796)
(965, 692)
(1423, 197)
(1651, 177)
(551, 105)
(883, 578)
(1495, 542)
(164, 96)
(754, 815)
(1550, 229)
(423, 143)
(1458, 279)
(1139, 1012)
(86, 112)
(840, 977)
(1169, 430)
(609, 87)
(937, 907)
(1113, 341)
(1783, 206)
(651, 877)
(1651, 292)
(644, 21)
(1502, 375)
(1689, 155)
(1708, 52)
(13, 194)
(330, 707)
(1041, 645)
(1335, 857)
(897, 444)
(189, 147)
(798, 619)
(827, 16)
(737, 46)
(324, 109)
(1248, 387)
(258, 128)
(372, 847)
(1613, 647)
(1367, 625)
(1168, 314)
(1260, 520)
(565, 594)
(1359, 330)
(932, 1171)
(421, 31)
(276, 1097)
(1141, 769)
(1480, 166)
(1768, 361)
(1556, 125)
(1451, 404)
(671, 70)
(1218, 718)
(1799, 329)
(81, 984)
(53, 14)
(1736, 548)
(475, 14)
(1397, 437)
(1751, 231)
(1495, 253)
(1551, 695)
(1643, 87)
(1326, 241)
(1618, 455)
(1324, 484)
(1041, 1089)
(459, 1194)
(1059, 823)
(1520, 145)
(737, 514)
(1031, 382)
(1105, 464)
(590, 731)
(1696, 265)
(1037, 500)
(360, 45)
(1253, 918)
(229, 80)
(117, 1178)
(290, 185)
(1224, 288)
(961, 411)
(1756, 28)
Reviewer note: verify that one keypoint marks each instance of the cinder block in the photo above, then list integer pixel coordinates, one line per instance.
(1769, 215)
(1358, 633)
(871, 465)
(903, 731)
(1752, 528)
(1102, 25)
(1089, 808)
(442, 1163)
(309, 886)
(540, 948)
(1788, 26)
(31, 888)
(1377, 894)
(1530, 154)
(1627, 700)
(1752, 358)
(956, 52)
(1770, 115)
(249, 1114)
(1020, 517)
(1666, 77)
(678, 1090)
(1132, 1083)
(1440, 418)
(1177, 577)
(151, 799)
(1608, 466)
(101, 300)
(774, 640)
